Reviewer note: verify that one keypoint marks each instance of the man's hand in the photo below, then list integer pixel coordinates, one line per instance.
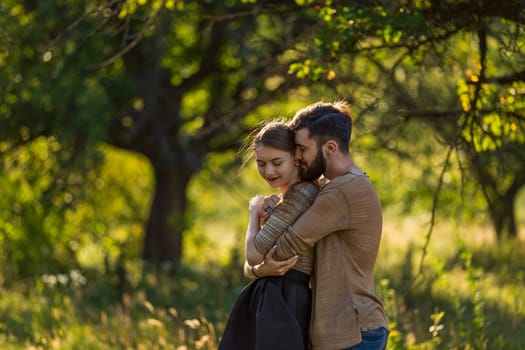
(271, 267)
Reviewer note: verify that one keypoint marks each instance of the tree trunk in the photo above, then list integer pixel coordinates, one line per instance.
(500, 189)
(502, 215)
(166, 223)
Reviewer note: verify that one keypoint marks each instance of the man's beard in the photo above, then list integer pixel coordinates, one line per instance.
(316, 169)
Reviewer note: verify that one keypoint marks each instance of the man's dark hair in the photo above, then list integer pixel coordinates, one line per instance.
(326, 121)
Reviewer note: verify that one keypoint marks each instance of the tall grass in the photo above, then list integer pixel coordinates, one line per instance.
(466, 296)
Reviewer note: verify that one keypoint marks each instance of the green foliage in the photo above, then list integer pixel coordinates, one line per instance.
(109, 220)
(47, 93)
(452, 303)
(36, 198)
(348, 28)
(53, 220)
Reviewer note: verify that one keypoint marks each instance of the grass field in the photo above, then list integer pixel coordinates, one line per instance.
(468, 294)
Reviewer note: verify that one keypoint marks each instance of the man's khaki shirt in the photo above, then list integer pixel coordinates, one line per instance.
(344, 224)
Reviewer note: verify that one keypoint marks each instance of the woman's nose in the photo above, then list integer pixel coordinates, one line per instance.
(269, 170)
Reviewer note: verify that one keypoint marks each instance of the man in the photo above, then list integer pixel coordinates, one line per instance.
(344, 224)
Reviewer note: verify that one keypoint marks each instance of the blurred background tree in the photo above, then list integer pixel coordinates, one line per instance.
(180, 82)
(172, 80)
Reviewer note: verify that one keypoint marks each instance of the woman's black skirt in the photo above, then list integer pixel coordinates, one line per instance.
(271, 313)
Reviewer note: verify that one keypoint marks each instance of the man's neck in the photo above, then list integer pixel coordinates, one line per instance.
(340, 165)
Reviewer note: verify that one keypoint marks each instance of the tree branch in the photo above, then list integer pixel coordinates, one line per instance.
(505, 79)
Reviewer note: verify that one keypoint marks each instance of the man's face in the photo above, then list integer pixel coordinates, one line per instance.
(310, 157)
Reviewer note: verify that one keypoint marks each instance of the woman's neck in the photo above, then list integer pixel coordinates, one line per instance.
(285, 188)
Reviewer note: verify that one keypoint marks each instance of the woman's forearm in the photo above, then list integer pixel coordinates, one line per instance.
(252, 255)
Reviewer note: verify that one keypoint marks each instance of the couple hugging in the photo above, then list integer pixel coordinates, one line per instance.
(311, 251)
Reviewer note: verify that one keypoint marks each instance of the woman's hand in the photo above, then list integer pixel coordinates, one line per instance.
(256, 203)
(261, 206)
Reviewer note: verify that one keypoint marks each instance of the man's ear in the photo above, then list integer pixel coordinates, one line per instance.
(330, 147)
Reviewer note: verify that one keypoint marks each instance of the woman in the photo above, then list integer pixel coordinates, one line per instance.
(273, 313)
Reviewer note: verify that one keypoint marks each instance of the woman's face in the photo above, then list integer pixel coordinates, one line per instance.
(276, 166)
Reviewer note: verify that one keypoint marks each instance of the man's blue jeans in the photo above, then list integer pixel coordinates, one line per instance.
(374, 339)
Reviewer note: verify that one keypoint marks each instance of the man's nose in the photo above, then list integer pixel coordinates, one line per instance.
(298, 155)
